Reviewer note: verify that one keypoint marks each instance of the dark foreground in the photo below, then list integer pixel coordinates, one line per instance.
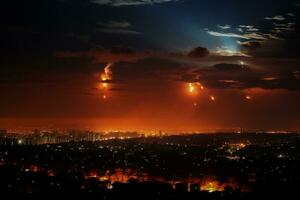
(224, 166)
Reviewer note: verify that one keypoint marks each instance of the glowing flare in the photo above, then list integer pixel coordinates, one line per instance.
(200, 85)
(248, 97)
(104, 85)
(103, 77)
(212, 98)
(107, 71)
(242, 145)
(107, 75)
(192, 88)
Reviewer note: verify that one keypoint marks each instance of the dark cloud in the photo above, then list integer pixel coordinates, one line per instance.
(250, 44)
(100, 55)
(198, 52)
(225, 75)
(235, 76)
(152, 68)
(116, 27)
(115, 24)
(118, 31)
(288, 48)
(229, 67)
(122, 50)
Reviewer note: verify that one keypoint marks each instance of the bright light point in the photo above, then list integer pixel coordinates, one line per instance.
(104, 97)
(104, 85)
(20, 141)
(200, 85)
(248, 97)
(192, 88)
(242, 63)
(242, 145)
(212, 98)
(103, 77)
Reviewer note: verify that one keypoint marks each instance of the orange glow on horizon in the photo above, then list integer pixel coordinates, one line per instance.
(212, 186)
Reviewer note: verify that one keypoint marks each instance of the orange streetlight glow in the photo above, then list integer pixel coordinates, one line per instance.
(212, 98)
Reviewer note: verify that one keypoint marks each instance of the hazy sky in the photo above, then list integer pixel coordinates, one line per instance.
(150, 64)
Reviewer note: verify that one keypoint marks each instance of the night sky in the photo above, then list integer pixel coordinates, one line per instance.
(172, 65)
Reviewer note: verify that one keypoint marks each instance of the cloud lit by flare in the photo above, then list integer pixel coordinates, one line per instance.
(107, 75)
